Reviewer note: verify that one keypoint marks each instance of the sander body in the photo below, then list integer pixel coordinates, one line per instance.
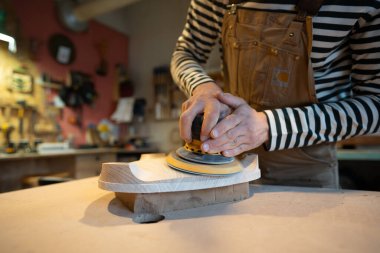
(192, 159)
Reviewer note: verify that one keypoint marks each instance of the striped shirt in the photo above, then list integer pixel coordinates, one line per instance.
(345, 58)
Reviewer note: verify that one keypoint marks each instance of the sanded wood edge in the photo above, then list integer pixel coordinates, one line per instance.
(117, 177)
(176, 186)
(116, 171)
(158, 203)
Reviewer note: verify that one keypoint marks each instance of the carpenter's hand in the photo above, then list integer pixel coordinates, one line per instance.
(204, 99)
(240, 131)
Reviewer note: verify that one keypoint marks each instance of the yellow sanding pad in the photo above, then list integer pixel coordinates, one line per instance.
(176, 162)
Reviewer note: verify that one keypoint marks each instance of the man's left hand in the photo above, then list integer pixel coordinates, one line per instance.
(244, 129)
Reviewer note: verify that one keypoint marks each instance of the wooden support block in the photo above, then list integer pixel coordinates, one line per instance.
(149, 187)
(159, 203)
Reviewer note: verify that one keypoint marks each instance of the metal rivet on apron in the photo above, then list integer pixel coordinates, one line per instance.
(274, 51)
(236, 45)
(230, 27)
(255, 43)
(291, 34)
(297, 57)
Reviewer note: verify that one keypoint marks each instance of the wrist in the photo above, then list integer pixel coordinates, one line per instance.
(264, 126)
(209, 88)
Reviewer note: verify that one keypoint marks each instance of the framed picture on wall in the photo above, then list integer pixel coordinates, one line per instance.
(22, 82)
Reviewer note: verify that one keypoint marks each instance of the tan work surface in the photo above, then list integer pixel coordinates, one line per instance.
(79, 217)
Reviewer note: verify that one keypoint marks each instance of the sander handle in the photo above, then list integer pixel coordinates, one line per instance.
(196, 127)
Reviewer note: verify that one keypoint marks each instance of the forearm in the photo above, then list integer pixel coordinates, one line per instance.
(187, 72)
(335, 121)
(325, 122)
(200, 34)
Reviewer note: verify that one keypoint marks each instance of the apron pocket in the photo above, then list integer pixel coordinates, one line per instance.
(278, 66)
(266, 67)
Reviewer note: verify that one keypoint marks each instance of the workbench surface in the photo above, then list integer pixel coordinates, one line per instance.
(78, 217)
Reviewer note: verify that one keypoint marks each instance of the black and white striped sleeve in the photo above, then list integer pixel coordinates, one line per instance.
(201, 32)
(334, 121)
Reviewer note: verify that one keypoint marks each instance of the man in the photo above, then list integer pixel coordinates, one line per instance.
(302, 75)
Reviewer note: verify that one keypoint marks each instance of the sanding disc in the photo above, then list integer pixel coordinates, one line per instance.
(176, 162)
(203, 158)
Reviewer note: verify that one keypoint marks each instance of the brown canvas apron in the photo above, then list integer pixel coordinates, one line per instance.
(266, 62)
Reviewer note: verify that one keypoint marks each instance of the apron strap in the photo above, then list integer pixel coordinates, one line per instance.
(307, 8)
(235, 1)
(304, 7)
(310, 7)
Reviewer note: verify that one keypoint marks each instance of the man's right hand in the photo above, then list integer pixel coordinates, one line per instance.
(203, 100)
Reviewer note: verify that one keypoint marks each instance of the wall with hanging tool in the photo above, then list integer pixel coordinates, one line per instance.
(97, 51)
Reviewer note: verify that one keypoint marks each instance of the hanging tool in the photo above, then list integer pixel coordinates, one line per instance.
(21, 113)
(7, 129)
(101, 48)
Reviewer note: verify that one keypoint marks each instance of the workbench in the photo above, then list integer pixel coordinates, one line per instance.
(77, 216)
(83, 163)
(77, 163)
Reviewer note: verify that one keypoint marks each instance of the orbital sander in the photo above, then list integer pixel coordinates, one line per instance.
(192, 159)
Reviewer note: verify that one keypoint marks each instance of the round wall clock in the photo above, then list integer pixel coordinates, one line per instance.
(62, 49)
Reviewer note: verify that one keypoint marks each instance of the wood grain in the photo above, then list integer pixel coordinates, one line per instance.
(158, 203)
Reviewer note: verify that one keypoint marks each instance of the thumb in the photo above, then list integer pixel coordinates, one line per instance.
(231, 100)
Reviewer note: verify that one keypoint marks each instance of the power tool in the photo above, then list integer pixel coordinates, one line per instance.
(192, 159)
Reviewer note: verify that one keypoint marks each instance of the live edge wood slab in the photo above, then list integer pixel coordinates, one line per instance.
(149, 187)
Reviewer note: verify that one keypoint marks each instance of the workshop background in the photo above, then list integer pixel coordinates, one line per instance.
(90, 83)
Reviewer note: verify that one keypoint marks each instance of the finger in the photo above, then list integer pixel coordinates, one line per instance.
(228, 123)
(237, 150)
(227, 141)
(231, 100)
(186, 121)
(215, 145)
(210, 118)
(185, 105)
(229, 144)
(225, 110)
